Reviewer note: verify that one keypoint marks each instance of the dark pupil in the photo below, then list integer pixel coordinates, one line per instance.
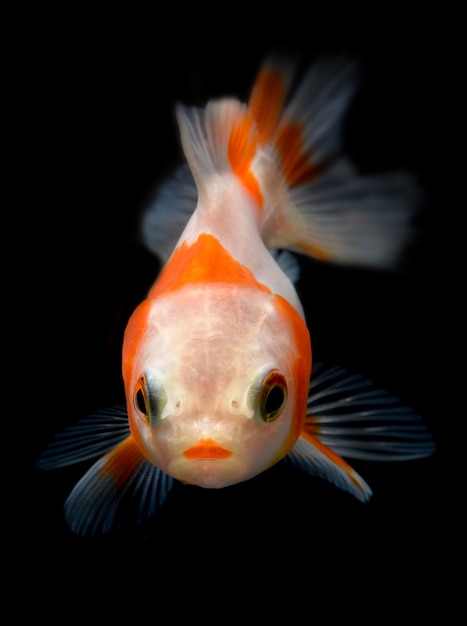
(140, 403)
(274, 400)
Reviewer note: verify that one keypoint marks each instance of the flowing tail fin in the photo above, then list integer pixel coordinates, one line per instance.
(333, 212)
(287, 149)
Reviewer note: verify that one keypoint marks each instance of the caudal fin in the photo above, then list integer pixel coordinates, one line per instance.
(333, 211)
(287, 149)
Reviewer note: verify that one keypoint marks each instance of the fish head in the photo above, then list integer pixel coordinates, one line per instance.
(216, 382)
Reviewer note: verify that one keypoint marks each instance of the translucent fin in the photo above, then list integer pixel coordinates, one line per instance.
(347, 413)
(120, 489)
(335, 213)
(166, 216)
(88, 438)
(288, 263)
(310, 134)
(348, 417)
(351, 218)
(218, 139)
(331, 211)
(310, 456)
(268, 95)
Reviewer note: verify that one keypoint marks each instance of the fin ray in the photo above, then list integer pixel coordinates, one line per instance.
(357, 219)
(120, 489)
(88, 438)
(347, 413)
(221, 138)
(269, 94)
(311, 457)
(288, 151)
(165, 217)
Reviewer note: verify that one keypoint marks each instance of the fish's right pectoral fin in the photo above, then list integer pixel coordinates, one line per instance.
(120, 489)
(348, 417)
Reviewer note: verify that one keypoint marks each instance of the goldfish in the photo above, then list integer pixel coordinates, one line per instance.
(217, 368)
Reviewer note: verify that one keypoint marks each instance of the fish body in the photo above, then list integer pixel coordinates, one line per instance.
(217, 360)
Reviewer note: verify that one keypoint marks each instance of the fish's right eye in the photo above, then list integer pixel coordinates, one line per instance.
(149, 399)
(140, 401)
(140, 398)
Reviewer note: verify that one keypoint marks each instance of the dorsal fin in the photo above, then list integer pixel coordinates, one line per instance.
(227, 135)
(219, 139)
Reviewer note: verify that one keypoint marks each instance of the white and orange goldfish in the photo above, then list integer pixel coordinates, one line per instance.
(217, 360)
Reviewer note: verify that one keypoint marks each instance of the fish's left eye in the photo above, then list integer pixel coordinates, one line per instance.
(272, 396)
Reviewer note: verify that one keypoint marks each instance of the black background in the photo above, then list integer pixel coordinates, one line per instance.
(100, 134)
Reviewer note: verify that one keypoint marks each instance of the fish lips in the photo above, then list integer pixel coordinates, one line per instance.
(210, 467)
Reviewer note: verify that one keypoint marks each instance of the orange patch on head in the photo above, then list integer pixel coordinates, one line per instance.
(207, 449)
(204, 261)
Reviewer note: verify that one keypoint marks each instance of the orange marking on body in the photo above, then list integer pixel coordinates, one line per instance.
(134, 332)
(204, 261)
(122, 462)
(267, 101)
(296, 163)
(243, 142)
(207, 449)
(332, 456)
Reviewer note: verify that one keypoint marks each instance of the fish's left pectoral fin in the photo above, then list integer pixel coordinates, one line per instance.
(349, 414)
(120, 490)
(312, 457)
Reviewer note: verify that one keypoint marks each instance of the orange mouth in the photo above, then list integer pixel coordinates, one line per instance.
(207, 449)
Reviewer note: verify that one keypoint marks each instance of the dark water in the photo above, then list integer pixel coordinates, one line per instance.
(112, 134)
